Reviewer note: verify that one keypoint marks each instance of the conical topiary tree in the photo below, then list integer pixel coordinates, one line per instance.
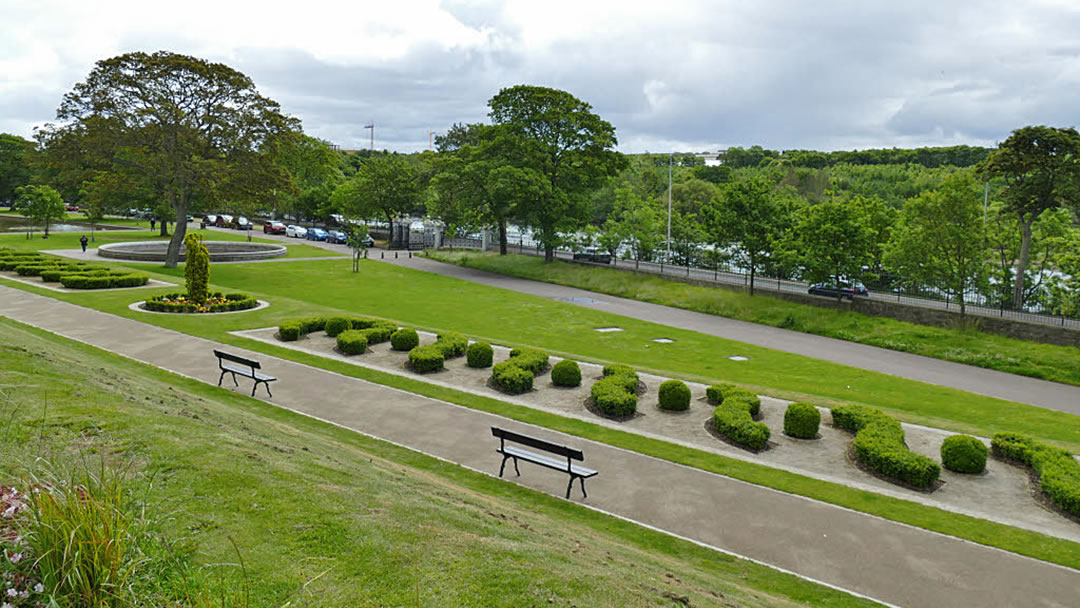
(197, 268)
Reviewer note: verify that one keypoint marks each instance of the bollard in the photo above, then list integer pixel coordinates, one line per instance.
(395, 255)
(382, 255)
(410, 255)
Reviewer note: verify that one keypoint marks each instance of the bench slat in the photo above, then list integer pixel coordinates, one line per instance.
(247, 372)
(540, 444)
(547, 461)
(236, 359)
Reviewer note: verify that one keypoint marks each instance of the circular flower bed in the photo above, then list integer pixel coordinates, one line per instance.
(217, 302)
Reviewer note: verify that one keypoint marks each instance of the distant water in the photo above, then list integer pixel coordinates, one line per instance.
(14, 224)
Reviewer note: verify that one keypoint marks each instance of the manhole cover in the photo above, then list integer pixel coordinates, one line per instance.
(577, 300)
(738, 358)
(663, 340)
(608, 329)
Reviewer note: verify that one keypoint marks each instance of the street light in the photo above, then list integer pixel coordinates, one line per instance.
(671, 158)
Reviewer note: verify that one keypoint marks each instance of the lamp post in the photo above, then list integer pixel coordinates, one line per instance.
(671, 158)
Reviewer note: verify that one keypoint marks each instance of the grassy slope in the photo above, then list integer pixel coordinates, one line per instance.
(1057, 363)
(435, 302)
(70, 240)
(324, 517)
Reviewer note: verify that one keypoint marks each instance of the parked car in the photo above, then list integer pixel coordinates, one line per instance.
(224, 221)
(209, 219)
(592, 254)
(274, 228)
(846, 289)
(71, 207)
(316, 234)
(242, 223)
(336, 236)
(369, 241)
(296, 231)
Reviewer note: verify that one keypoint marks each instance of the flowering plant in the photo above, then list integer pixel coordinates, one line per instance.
(20, 586)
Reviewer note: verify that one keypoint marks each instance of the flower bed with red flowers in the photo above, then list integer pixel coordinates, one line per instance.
(217, 302)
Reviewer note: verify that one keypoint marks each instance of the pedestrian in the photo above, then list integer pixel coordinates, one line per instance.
(83, 241)
(151, 223)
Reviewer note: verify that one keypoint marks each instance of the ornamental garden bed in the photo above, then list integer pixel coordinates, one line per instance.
(216, 302)
(1001, 494)
(50, 272)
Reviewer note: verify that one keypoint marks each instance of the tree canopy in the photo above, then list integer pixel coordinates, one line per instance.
(16, 164)
(384, 185)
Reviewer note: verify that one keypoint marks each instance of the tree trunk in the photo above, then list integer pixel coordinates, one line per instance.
(172, 258)
(165, 228)
(549, 253)
(1022, 262)
(502, 237)
(751, 278)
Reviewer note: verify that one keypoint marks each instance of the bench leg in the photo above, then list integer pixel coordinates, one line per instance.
(583, 494)
(515, 468)
(568, 486)
(221, 377)
(503, 467)
(253, 387)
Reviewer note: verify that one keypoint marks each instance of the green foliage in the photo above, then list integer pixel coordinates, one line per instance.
(879, 445)
(616, 393)
(16, 164)
(196, 268)
(217, 302)
(384, 186)
(424, 359)
(963, 454)
(352, 341)
(831, 241)
(674, 396)
(733, 419)
(404, 339)
(618, 368)
(289, 331)
(510, 378)
(801, 420)
(42, 204)
(718, 393)
(107, 280)
(749, 218)
(451, 344)
(566, 373)
(1058, 470)
(479, 354)
(312, 324)
(531, 359)
(336, 325)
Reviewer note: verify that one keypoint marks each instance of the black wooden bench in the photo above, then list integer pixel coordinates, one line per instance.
(244, 367)
(559, 464)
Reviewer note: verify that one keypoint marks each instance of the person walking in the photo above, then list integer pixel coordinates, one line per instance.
(83, 241)
(151, 223)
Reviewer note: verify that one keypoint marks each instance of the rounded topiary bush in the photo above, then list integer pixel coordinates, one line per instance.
(479, 354)
(425, 359)
(566, 373)
(963, 454)
(801, 420)
(405, 338)
(289, 331)
(452, 344)
(336, 325)
(617, 368)
(612, 398)
(352, 342)
(674, 396)
(511, 378)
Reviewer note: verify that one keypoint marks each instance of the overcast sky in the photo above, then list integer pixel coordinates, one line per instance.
(669, 74)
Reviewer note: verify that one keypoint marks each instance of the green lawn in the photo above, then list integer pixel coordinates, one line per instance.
(968, 345)
(322, 516)
(440, 303)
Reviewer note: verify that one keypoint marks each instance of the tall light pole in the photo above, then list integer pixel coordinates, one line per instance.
(372, 127)
(429, 140)
(671, 158)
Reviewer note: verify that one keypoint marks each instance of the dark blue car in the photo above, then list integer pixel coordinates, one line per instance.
(336, 236)
(844, 290)
(316, 234)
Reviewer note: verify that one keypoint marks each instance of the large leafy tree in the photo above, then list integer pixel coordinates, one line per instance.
(1041, 169)
(749, 218)
(194, 130)
(42, 204)
(831, 241)
(384, 185)
(635, 223)
(563, 141)
(940, 239)
(16, 164)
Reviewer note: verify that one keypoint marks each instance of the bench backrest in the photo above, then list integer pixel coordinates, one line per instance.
(540, 444)
(237, 359)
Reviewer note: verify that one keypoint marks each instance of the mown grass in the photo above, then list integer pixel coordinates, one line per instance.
(440, 303)
(965, 345)
(326, 517)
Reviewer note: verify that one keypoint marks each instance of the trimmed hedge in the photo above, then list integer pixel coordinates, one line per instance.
(511, 378)
(1059, 472)
(531, 359)
(112, 280)
(963, 454)
(336, 325)
(451, 344)
(376, 330)
(718, 392)
(312, 324)
(802, 420)
(566, 373)
(734, 419)
(352, 341)
(616, 393)
(171, 303)
(405, 338)
(479, 354)
(424, 359)
(879, 445)
(674, 396)
(289, 331)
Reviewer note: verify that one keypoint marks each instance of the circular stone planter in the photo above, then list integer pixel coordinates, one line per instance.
(220, 251)
(138, 307)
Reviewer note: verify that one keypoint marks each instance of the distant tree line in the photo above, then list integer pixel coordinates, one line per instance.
(955, 156)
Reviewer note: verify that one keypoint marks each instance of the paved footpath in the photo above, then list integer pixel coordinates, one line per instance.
(890, 562)
(1022, 389)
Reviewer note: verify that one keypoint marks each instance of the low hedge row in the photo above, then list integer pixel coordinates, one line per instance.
(616, 393)
(879, 445)
(451, 344)
(375, 330)
(963, 454)
(734, 418)
(217, 302)
(1059, 472)
(124, 279)
(802, 420)
(717, 393)
(516, 374)
(531, 359)
(674, 396)
(566, 373)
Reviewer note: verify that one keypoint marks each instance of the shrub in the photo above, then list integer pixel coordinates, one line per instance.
(616, 393)
(733, 420)
(289, 331)
(312, 324)
(178, 302)
(674, 396)
(377, 330)
(336, 325)
(536, 361)
(451, 344)
(405, 338)
(879, 445)
(963, 454)
(424, 359)
(479, 354)
(566, 373)
(716, 393)
(103, 281)
(511, 378)
(196, 268)
(1059, 472)
(33, 269)
(352, 341)
(617, 368)
(802, 420)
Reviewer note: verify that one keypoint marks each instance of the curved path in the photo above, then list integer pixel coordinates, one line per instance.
(1022, 389)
